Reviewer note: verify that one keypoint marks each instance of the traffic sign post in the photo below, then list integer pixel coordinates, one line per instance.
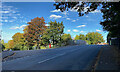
(49, 45)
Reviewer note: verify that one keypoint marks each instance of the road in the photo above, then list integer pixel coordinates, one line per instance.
(65, 58)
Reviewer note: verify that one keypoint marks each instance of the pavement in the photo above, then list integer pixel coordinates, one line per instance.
(79, 57)
(108, 59)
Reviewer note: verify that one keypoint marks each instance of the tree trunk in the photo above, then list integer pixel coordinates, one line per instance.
(37, 46)
(53, 41)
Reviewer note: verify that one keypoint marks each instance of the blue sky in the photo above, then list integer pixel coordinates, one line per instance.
(15, 16)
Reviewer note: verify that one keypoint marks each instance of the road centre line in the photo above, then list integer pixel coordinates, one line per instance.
(56, 56)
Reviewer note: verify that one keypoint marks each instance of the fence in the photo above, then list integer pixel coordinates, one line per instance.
(115, 41)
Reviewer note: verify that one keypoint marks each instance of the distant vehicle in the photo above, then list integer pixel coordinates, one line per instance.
(8, 50)
(102, 44)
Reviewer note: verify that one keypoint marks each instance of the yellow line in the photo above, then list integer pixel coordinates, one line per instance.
(8, 56)
(97, 60)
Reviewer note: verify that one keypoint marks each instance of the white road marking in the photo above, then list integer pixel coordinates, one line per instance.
(52, 58)
(56, 56)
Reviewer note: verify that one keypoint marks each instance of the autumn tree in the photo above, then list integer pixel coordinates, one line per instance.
(19, 41)
(11, 44)
(34, 31)
(94, 37)
(66, 38)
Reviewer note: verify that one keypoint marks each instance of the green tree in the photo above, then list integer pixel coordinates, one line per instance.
(60, 32)
(45, 39)
(2, 45)
(2, 42)
(66, 38)
(6, 46)
(94, 38)
(77, 37)
(34, 32)
(55, 31)
(82, 37)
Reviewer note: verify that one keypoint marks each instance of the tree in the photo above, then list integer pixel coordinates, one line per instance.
(11, 44)
(66, 38)
(82, 37)
(77, 37)
(2, 45)
(19, 41)
(55, 31)
(2, 42)
(94, 38)
(6, 46)
(110, 10)
(34, 31)
(111, 16)
(45, 39)
(60, 32)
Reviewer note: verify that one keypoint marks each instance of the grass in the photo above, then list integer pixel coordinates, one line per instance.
(43, 47)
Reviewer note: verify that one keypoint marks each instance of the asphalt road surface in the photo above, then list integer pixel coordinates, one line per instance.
(65, 58)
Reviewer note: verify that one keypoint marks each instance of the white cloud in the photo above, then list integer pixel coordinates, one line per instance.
(17, 14)
(96, 11)
(4, 11)
(98, 30)
(65, 13)
(75, 30)
(81, 31)
(81, 26)
(68, 30)
(47, 25)
(14, 28)
(73, 20)
(9, 12)
(73, 10)
(5, 20)
(55, 16)
(14, 17)
(14, 11)
(18, 27)
(55, 10)
(11, 21)
(22, 26)
(86, 16)
(68, 18)
(77, 19)
(85, 10)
